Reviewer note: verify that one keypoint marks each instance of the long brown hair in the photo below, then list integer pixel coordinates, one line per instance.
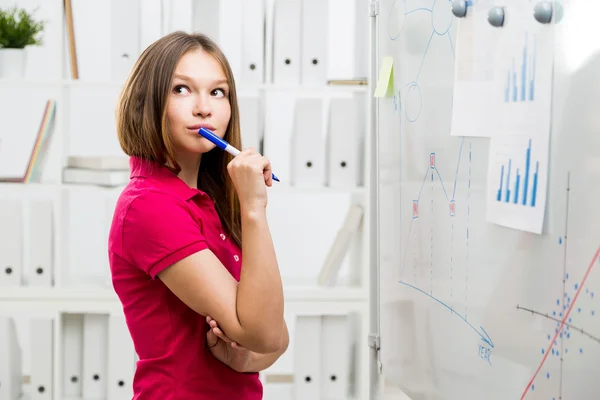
(142, 120)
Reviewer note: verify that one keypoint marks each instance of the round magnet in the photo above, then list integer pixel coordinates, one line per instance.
(543, 12)
(459, 8)
(496, 16)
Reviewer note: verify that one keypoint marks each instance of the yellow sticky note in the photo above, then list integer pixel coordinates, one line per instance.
(385, 83)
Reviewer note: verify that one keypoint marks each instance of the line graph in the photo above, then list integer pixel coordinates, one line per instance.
(562, 324)
(568, 325)
(482, 333)
(432, 175)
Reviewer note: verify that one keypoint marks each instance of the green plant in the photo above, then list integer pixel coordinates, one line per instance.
(18, 29)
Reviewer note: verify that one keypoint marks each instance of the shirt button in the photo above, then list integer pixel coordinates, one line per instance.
(222, 236)
(236, 258)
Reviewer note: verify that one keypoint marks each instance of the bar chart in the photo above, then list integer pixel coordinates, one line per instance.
(520, 76)
(517, 181)
(519, 186)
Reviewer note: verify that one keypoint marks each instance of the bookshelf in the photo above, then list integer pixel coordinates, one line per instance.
(66, 290)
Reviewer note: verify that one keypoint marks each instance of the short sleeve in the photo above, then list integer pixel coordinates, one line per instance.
(159, 230)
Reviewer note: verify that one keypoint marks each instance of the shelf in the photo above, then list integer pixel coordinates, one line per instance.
(241, 87)
(89, 294)
(29, 190)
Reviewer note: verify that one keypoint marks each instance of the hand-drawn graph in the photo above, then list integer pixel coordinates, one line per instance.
(441, 22)
(564, 325)
(433, 188)
(512, 188)
(520, 78)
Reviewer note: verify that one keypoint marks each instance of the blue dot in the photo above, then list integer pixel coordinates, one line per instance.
(566, 350)
(557, 352)
(548, 337)
(532, 386)
(593, 313)
(568, 336)
(554, 313)
(569, 320)
(543, 351)
(580, 351)
(561, 335)
(548, 375)
(592, 294)
(559, 240)
(560, 314)
(567, 276)
(553, 352)
(576, 286)
(569, 299)
(579, 310)
(557, 302)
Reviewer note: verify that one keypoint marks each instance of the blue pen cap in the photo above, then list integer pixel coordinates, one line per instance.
(213, 138)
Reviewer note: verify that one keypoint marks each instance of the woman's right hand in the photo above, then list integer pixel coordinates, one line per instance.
(251, 174)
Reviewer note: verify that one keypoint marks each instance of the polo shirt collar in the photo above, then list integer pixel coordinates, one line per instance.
(149, 169)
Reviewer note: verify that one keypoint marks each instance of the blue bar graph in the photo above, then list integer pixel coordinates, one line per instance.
(523, 88)
(519, 192)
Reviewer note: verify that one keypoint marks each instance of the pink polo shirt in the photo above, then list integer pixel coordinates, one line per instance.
(159, 220)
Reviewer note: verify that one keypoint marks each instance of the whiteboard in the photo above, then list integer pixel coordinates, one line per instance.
(471, 310)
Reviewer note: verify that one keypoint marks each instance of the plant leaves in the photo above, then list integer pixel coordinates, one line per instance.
(18, 29)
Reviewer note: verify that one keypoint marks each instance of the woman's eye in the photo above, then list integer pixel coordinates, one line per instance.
(218, 92)
(180, 89)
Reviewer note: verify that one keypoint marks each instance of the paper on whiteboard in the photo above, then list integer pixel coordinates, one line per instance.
(518, 159)
(503, 83)
(517, 182)
(476, 42)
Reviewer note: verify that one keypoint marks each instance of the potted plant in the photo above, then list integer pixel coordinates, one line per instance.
(18, 29)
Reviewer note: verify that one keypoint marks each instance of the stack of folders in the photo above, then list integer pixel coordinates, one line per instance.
(98, 357)
(26, 242)
(321, 361)
(108, 171)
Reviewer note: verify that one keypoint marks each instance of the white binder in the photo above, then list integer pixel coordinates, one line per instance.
(222, 22)
(41, 268)
(279, 117)
(92, 24)
(335, 360)
(250, 121)
(11, 371)
(72, 355)
(150, 22)
(177, 16)
(315, 21)
(95, 363)
(253, 40)
(42, 358)
(307, 357)
(286, 42)
(344, 144)
(348, 34)
(278, 379)
(308, 144)
(11, 243)
(121, 360)
(125, 26)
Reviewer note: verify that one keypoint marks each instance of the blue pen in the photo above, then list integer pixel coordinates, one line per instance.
(224, 145)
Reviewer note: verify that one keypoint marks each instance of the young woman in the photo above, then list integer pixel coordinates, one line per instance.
(204, 320)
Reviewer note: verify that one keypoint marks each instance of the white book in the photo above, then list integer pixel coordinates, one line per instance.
(83, 176)
(99, 162)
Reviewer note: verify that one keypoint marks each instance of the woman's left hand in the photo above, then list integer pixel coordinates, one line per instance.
(225, 350)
